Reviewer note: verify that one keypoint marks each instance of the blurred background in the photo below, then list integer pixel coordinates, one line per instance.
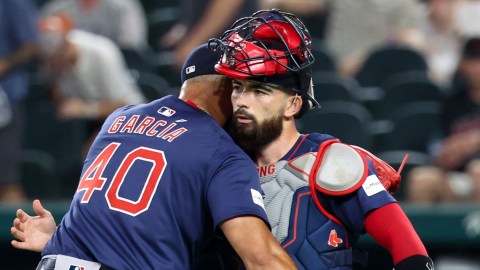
(392, 76)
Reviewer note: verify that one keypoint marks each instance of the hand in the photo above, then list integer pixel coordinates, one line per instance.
(33, 232)
(173, 36)
(457, 148)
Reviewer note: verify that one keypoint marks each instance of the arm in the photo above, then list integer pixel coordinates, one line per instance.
(33, 232)
(74, 108)
(18, 58)
(254, 243)
(457, 148)
(20, 16)
(214, 20)
(392, 229)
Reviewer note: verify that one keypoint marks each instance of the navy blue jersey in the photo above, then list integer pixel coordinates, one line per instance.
(317, 234)
(350, 209)
(155, 185)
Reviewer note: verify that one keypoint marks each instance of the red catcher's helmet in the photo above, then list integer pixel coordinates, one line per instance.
(270, 46)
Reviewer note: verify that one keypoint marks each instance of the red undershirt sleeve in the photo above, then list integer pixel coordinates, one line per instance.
(392, 229)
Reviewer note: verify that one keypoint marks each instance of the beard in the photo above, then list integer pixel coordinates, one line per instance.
(253, 137)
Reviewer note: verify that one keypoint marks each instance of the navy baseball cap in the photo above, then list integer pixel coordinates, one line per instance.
(201, 61)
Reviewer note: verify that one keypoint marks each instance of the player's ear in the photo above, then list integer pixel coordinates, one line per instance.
(293, 106)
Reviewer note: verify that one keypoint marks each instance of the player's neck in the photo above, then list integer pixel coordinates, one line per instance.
(210, 97)
(279, 147)
(206, 107)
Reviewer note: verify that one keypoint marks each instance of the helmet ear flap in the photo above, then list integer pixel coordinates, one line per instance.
(306, 91)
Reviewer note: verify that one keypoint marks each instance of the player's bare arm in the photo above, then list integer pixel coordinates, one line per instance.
(255, 244)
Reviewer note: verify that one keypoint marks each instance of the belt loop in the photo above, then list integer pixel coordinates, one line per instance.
(46, 264)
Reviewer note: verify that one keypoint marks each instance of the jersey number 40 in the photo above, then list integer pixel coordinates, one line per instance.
(93, 180)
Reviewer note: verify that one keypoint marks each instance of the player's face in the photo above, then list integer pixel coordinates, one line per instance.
(258, 113)
(256, 102)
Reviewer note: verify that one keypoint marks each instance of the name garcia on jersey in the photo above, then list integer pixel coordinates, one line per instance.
(148, 126)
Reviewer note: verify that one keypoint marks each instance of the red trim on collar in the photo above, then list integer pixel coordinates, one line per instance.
(298, 146)
(191, 103)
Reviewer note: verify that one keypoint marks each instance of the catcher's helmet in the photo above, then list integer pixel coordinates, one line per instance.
(270, 46)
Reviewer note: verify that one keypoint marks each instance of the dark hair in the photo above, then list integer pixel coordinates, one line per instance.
(471, 48)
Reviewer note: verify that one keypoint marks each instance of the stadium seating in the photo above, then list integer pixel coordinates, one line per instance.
(415, 127)
(401, 88)
(330, 86)
(348, 121)
(38, 175)
(387, 60)
(324, 58)
(159, 21)
(153, 86)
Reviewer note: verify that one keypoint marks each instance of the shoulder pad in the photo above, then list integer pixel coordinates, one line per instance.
(302, 165)
(336, 169)
(339, 169)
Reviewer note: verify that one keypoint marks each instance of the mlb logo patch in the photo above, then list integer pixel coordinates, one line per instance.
(76, 267)
(165, 111)
(190, 69)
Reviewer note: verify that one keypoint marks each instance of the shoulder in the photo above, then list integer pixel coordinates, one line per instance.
(340, 169)
(94, 43)
(319, 137)
(307, 143)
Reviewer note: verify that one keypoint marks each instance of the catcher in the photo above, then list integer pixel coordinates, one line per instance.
(320, 194)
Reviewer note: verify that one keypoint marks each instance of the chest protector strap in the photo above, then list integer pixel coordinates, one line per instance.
(335, 169)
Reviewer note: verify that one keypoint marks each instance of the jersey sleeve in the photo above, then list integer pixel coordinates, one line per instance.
(235, 190)
(23, 17)
(352, 209)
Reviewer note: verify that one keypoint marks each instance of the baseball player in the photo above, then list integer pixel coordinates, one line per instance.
(162, 187)
(320, 194)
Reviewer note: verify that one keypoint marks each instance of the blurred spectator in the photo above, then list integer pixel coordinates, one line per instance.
(473, 170)
(123, 21)
(88, 74)
(356, 27)
(466, 17)
(201, 20)
(442, 39)
(456, 155)
(18, 46)
(314, 13)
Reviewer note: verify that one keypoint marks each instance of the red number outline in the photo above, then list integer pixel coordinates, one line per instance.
(91, 183)
(96, 182)
(133, 208)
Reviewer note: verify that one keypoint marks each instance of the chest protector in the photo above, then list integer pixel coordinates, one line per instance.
(313, 237)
